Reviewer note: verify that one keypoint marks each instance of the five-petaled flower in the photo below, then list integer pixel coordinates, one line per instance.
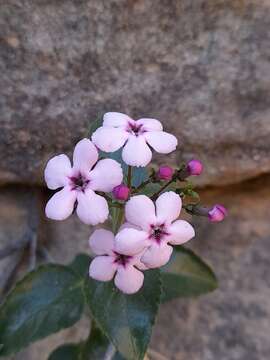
(152, 228)
(135, 136)
(111, 262)
(80, 183)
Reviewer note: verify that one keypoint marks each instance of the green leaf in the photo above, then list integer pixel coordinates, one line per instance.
(94, 348)
(126, 320)
(95, 125)
(139, 174)
(66, 352)
(80, 265)
(43, 302)
(186, 275)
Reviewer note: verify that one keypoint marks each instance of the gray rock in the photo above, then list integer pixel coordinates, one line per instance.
(199, 66)
(233, 322)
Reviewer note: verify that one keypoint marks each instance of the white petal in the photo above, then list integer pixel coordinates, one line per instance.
(180, 232)
(127, 225)
(161, 141)
(140, 211)
(157, 255)
(130, 241)
(61, 205)
(115, 119)
(136, 152)
(92, 209)
(106, 175)
(168, 207)
(57, 171)
(102, 268)
(109, 139)
(128, 279)
(85, 155)
(150, 124)
(102, 242)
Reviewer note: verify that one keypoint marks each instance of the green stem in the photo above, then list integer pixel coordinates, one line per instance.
(155, 196)
(129, 177)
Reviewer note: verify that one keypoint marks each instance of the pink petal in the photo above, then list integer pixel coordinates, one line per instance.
(106, 175)
(102, 268)
(130, 241)
(127, 225)
(136, 152)
(109, 139)
(140, 211)
(115, 119)
(102, 242)
(136, 261)
(180, 232)
(128, 279)
(150, 124)
(92, 209)
(85, 155)
(157, 255)
(168, 207)
(61, 204)
(161, 141)
(57, 171)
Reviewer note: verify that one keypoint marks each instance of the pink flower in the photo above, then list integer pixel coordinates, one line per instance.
(121, 192)
(217, 213)
(135, 136)
(151, 228)
(110, 262)
(80, 183)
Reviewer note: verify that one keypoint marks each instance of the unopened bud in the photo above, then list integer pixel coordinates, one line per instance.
(194, 167)
(217, 213)
(165, 173)
(121, 192)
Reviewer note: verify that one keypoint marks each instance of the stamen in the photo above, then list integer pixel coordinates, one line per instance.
(122, 259)
(79, 182)
(158, 232)
(135, 129)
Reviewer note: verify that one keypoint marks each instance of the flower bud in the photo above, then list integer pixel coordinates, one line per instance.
(121, 192)
(217, 213)
(165, 173)
(194, 167)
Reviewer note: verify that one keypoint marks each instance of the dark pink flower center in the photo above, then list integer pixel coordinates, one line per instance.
(121, 259)
(158, 232)
(79, 182)
(135, 129)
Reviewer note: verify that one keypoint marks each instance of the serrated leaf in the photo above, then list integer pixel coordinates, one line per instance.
(43, 302)
(126, 320)
(186, 275)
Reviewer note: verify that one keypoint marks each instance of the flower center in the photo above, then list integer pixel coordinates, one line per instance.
(121, 259)
(158, 232)
(79, 182)
(135, 129)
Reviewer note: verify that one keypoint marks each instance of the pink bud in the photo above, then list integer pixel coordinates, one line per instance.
(194, 167)
(217, 213)
(121, 192)
(165, 173)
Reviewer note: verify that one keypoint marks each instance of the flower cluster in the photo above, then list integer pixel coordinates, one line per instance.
(150, 225)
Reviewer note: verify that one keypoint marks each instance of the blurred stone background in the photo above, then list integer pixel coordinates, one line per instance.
(202, 67)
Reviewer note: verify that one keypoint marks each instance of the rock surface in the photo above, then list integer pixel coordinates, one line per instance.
(202, 67)
(231, 323)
